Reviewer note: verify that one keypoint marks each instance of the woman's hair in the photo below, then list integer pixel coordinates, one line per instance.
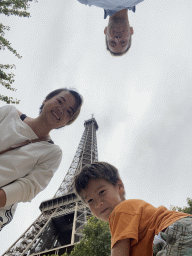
(94, 171)
(76, 95)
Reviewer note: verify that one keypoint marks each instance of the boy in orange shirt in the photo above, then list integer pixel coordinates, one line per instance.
(133, 223)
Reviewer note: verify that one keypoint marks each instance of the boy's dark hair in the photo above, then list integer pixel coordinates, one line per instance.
(76, 95)
(94, 171)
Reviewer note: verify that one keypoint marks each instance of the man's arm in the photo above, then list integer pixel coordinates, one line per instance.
(121, 248)
(2, 198)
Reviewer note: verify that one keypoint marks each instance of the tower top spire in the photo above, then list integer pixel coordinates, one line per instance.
(92, 120)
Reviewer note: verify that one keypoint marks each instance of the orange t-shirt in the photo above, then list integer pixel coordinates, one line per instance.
(140, 221)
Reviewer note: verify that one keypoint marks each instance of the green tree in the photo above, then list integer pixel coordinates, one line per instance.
(18, 8)
(185, 209)
(96, 240)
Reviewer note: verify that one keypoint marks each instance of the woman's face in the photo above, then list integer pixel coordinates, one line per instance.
(59, 110)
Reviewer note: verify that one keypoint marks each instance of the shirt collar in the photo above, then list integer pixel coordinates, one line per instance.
(111, 12)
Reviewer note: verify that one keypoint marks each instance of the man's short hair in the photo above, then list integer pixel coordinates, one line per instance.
(95, 171)
(118, 53)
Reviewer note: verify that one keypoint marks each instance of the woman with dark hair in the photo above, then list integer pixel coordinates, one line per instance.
(28, 156)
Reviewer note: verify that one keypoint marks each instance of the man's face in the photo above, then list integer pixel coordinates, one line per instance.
(118, 34)
(102, 197)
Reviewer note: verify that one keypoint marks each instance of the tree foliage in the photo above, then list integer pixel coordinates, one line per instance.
(18, 8)
(185, 209)
(96, 240)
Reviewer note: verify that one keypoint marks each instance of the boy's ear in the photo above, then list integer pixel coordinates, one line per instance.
(121, 188)
(120, 184)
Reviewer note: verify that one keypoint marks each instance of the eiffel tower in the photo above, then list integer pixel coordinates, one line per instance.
(60, 224)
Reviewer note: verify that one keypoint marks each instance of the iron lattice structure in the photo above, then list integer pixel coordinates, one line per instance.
(60, 224)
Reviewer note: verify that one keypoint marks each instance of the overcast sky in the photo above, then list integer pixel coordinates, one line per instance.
(142, 101)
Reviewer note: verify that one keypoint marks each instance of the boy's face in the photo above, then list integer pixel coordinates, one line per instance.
(102, 197)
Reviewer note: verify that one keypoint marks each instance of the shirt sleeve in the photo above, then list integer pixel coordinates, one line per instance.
(26, 188)
(123, 226)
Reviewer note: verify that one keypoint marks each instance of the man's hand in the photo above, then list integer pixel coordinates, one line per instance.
(2, 198)
(121, 248)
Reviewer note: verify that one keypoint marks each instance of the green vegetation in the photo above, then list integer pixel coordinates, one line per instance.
(96, 240)
(184, 209)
